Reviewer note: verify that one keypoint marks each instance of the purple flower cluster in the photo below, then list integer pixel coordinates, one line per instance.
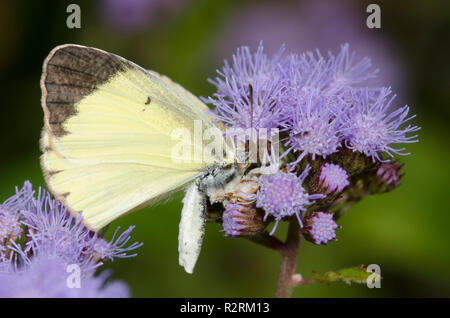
(331, 124)
(52, 241)
(320, 102)
(46, 277)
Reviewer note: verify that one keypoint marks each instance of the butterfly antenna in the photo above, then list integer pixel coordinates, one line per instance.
(250, 95)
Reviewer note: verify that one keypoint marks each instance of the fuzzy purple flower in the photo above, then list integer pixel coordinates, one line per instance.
(320, 228)
(318, 93)
(248, 90)
(344, 71)
(332, 76)
(47, 277)
(53, 229)
(371, 129)
(333, 178)
(54, 239)
(281, 195)
(313, 128)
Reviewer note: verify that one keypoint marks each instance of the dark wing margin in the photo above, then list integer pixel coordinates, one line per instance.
(71, 72)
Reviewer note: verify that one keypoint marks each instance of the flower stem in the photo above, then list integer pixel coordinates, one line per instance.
(268, 241)
(289, 261)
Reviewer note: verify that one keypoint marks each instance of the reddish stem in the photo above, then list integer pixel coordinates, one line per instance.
(289, 261)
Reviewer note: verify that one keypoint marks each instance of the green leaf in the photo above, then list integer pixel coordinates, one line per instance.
(357, 274)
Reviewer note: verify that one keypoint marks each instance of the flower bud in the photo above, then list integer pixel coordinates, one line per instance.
(319, 228)
(386, 177)
(331, 179)
(241, 219)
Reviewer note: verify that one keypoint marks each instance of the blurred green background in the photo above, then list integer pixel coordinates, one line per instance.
(406, 232)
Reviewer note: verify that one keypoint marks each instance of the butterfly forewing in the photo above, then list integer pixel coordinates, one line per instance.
(107, 138)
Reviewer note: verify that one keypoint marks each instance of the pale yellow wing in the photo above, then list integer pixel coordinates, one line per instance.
(107, 139)
(105, 191)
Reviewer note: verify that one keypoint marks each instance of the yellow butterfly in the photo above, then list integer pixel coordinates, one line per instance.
(108, 141)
